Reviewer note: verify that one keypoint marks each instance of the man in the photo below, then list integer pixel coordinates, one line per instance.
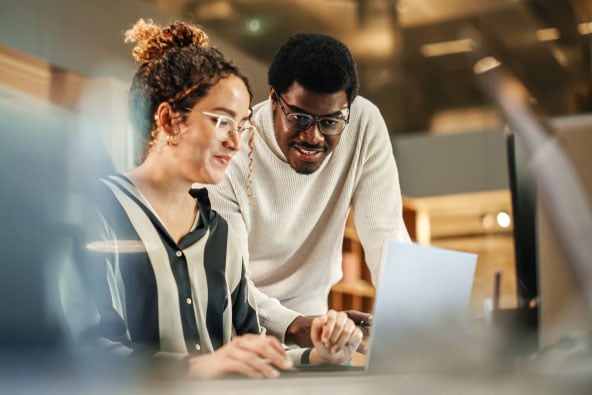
(319, 149)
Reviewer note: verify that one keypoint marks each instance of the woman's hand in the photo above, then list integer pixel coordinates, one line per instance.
(252, 355)
(335, 338)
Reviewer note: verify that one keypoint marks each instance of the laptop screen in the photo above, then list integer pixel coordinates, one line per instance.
(422, 299)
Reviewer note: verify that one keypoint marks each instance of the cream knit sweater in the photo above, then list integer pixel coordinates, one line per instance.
(295, 229)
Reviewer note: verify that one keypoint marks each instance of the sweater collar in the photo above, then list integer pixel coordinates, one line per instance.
(263, 119)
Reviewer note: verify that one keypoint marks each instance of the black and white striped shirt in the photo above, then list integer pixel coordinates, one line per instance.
(155, 295)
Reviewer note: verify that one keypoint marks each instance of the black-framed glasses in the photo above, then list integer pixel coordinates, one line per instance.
(226, 126)
(331, 126)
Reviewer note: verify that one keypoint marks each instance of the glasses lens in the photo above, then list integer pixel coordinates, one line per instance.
(245, 128)
(299, 121)
(331, 126)
(225, 126)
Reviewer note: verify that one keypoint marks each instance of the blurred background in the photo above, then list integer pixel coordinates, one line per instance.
(67, 58)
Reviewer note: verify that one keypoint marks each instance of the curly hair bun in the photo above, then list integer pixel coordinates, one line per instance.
(153, 40)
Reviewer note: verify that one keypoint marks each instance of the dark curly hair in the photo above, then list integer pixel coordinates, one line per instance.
(318, 62)
(177, 66)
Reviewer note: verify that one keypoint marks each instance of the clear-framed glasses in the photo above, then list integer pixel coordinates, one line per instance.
(226, 126)
(331, 126)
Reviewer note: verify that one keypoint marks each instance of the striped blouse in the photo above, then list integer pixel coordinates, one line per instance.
(154, 295)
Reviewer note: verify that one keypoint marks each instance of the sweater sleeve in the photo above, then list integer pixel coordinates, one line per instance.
(274, 317)
(377, 203)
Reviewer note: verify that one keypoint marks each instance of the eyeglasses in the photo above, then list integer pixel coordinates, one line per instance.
(226, 126)
(331, 126)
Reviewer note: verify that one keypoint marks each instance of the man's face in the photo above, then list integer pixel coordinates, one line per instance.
(306, 150)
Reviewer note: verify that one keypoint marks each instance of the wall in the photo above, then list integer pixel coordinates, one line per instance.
(451, 164)
(71, 54)
(86, 36)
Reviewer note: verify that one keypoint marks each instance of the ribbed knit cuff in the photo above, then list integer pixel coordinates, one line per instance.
(277, 326)
(305, 357)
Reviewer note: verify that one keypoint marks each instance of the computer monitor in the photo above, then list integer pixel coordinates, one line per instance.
(524, 202)
(563, 224)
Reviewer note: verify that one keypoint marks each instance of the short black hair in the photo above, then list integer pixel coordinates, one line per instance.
(318, 62)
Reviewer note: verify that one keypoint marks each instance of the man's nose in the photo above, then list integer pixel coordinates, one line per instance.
(312, 135)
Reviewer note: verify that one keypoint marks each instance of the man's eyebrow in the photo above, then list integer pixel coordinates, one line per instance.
(300, 110)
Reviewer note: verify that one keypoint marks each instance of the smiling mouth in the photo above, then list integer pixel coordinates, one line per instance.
(224, 159)
(307, 154)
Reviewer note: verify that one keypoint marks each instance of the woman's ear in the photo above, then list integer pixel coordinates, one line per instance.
(165, 118)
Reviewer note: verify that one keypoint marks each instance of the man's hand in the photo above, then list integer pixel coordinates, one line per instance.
(299, 332)
(362, 321)
(252, 355)
(335, 337)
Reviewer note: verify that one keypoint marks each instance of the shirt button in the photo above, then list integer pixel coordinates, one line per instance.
(197, 346)
(179, 254)
(188, 300)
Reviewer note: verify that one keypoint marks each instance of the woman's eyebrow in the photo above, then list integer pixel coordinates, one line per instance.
(231, 113)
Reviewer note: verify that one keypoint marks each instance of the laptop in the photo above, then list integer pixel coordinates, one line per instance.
(420, 309)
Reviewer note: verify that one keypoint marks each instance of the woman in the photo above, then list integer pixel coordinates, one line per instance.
(176, 286)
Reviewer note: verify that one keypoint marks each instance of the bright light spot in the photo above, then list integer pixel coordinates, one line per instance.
(448, 47)
(485, 64)
(253, 25)
(503, 219)
(548, 34)
(487, 221)
(585, 28)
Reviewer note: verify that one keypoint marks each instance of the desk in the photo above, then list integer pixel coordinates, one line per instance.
(354, 385)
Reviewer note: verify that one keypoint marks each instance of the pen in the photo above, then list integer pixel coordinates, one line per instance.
(362, 323)
(496, 289)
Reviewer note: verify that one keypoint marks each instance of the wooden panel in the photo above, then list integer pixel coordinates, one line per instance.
(456, 222)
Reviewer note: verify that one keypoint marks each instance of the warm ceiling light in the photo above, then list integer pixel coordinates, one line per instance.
(548, 34)
(585, 28)
(559, 56)
(448, 47)
(253, 25)
(485, 64)
(487, 221)
(503, 219)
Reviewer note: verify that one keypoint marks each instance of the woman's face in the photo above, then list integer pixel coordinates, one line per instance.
(207, 142)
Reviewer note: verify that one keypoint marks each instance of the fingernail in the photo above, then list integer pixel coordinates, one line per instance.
(274, 373)
(287, 363)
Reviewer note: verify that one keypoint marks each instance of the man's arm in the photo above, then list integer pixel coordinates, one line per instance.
(273, 316)
(377, 204)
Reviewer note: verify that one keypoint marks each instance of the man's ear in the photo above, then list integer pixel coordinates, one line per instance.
(165, 117)
(272, 97)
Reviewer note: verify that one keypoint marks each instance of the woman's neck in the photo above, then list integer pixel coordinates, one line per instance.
(168, 195)
(157, 181)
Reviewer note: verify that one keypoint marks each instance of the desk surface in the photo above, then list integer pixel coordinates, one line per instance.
(322, 385)
(48, 373)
